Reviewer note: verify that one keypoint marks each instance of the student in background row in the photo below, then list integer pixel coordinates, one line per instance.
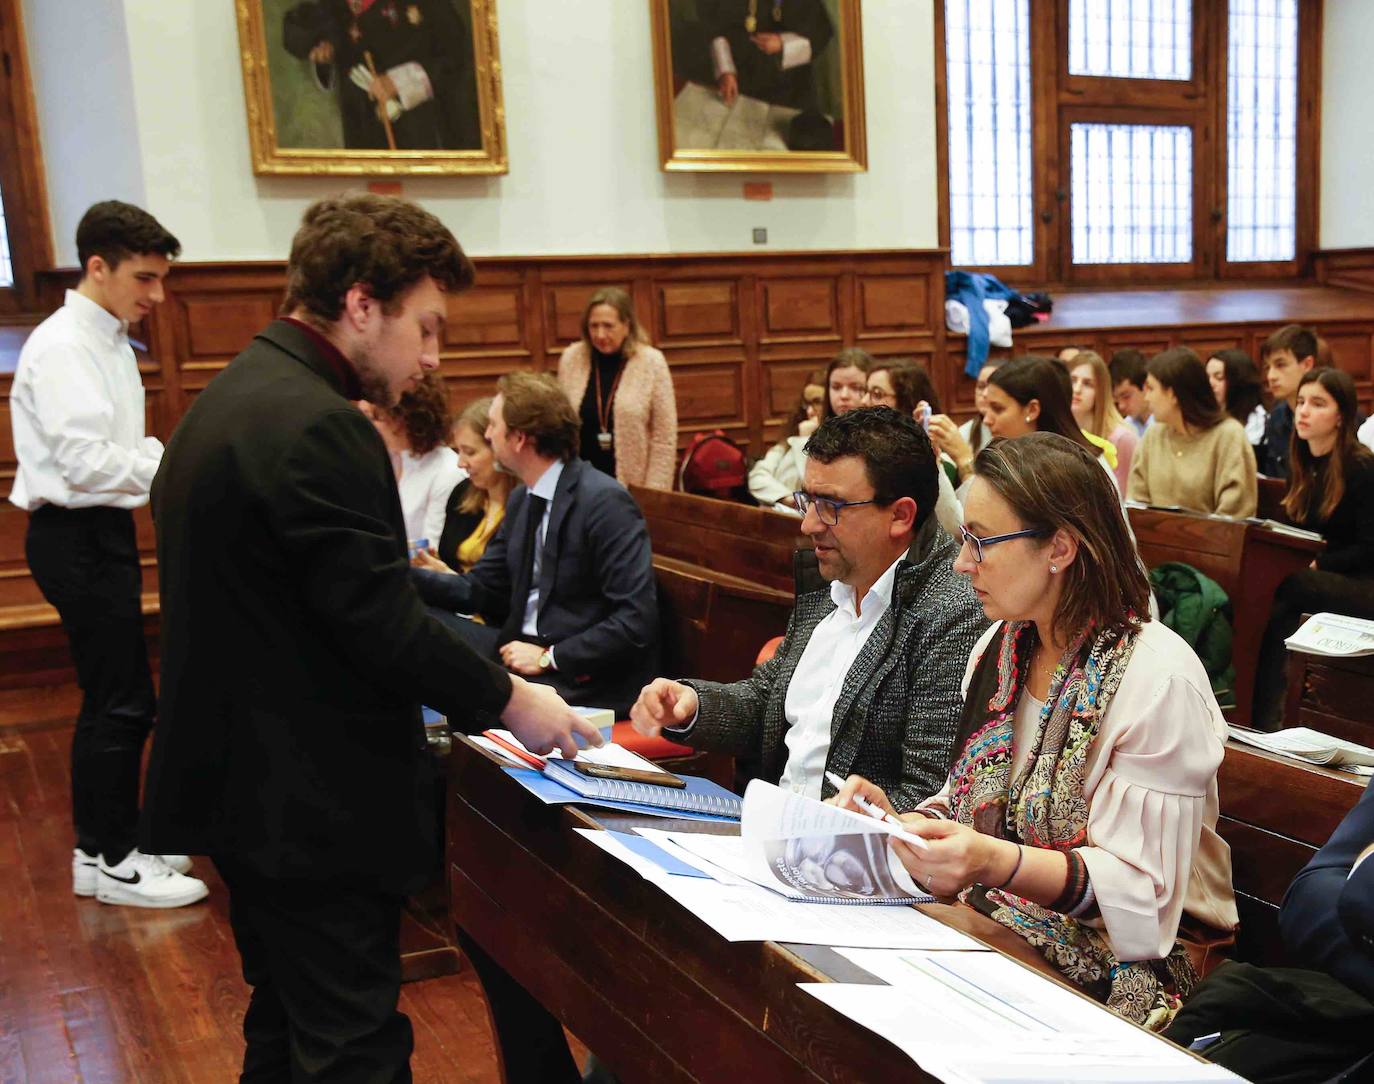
(974, 432)
(905, 385)
(477, 504)
(416, 431)
(1287, 354)
(1236, 383)
(1029, 394)
(623, 393)
(1096, 413)
(775, 477)
(1194, 456)
(845, 383)
(1127, 368)
(1081, 809)
(1331, 491)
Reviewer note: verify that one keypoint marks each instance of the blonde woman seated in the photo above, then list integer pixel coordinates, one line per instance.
(1096, 413)
(1194, 456)
(623, 394)
(1081, 812)
(775, 477)
(416, 432)
(477, 504)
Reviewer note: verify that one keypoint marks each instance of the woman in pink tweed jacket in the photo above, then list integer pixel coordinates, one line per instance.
(629, 395)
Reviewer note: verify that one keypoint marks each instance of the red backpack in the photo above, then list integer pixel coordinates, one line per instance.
(715, 466)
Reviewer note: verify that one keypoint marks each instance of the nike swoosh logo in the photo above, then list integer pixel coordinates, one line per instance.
(124, 880)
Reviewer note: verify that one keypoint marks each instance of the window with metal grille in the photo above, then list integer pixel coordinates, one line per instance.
(6, 264)
(1262, 130)
(1132, 193)
(987, 49)
(1131, 39)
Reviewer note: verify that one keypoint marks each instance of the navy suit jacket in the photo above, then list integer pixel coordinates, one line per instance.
(1327, 918)
(597, 604)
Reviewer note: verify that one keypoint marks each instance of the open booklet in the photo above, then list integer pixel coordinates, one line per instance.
(807, 850)
(1312, 746)
(1333, 635)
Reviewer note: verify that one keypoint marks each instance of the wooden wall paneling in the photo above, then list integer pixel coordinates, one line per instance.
(1352, 268)
(801, 309)
(698, 311)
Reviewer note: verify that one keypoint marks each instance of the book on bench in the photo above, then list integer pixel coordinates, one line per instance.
(701, 796)
(1305, 744)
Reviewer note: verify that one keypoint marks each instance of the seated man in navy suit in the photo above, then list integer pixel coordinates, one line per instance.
(1327, 918)
(1287, 1024)
(566, 587)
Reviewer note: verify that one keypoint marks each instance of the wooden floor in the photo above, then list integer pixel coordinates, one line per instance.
(90, 992)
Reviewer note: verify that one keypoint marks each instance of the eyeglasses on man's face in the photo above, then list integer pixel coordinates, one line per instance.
(828, 509)
(976, 544)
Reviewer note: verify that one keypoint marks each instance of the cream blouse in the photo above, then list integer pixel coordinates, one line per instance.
(1150, 782)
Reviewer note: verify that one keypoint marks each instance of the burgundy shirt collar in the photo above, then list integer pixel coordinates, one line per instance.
(343, 368)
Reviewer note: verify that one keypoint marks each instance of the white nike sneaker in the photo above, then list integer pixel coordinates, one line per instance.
(180, 863)
(145, 880)
(84, 872)
(85, 869)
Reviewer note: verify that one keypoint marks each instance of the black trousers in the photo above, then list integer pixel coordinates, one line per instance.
(324, 963)
(1306, 592)
(530, 1039)
(85, 561)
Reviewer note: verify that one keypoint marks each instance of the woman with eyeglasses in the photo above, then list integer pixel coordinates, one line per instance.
(1081, 812)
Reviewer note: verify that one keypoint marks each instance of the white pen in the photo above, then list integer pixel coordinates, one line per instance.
(876, 812)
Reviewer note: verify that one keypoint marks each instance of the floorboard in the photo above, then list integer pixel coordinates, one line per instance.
(93, 994)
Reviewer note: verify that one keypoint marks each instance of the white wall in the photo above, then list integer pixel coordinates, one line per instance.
(83, 88)
(580, 123)
(1347, 156)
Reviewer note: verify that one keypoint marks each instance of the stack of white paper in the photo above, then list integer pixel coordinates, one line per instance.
(1333, 635)
(967, 1017)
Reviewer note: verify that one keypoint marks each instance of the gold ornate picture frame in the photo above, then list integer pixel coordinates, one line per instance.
(759, 86)
(314, 71)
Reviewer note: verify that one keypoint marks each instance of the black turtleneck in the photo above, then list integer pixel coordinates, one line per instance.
(1349, 532)
(608, 366)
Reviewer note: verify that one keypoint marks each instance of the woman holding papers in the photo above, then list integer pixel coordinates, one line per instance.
(1081, 812)
(1332, 492)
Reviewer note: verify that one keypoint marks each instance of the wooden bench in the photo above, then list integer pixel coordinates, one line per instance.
(744, 542)
(1335, 696)
(1275, 813)
(1247, 561)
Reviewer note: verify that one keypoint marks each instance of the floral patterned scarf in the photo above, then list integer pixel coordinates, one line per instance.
(1044, 806)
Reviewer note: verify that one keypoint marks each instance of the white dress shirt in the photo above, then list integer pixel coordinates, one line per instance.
(545, 487)
(425, 483)
(76, 408)
(819, 679)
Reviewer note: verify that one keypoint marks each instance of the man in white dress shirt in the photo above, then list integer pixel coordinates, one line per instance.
(867, 679)
(84, 464)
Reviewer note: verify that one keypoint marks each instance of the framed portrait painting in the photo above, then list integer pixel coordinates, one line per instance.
(759, 85)
(372, 86)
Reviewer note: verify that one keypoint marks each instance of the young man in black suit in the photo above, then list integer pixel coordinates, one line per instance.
(566, 587)
(296, 653)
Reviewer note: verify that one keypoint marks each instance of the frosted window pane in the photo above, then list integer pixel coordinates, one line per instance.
(1131, 39)
(6, 266)
(1262, 130)
(1132, 193)
(987, 50)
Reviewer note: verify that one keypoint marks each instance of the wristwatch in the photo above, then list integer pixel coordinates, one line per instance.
(546, 660)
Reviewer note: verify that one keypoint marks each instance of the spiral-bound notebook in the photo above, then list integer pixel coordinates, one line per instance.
(700, 796)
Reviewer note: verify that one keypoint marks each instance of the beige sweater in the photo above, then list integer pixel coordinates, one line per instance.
(644, 413)
(1210, 471)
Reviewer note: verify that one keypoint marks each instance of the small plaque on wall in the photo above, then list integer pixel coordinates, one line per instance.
(759, 85)
(372, 88)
